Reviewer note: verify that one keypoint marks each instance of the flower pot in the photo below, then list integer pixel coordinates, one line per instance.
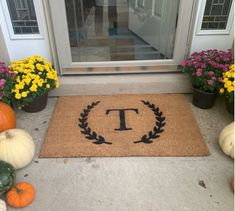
(229, 106)
(203, 99)
(13, 105)
(37, 105)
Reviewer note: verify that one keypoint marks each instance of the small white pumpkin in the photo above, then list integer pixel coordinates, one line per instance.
(226, 140)
(3, 206)
(16, 147)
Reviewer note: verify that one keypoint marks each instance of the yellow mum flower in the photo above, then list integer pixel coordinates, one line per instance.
(39, 67)
(40, 59)
(26, 65)
(35, 56)
(228, 74)
(32, 76)
(17, 91)
(21, 85)
(228, 83)
(18, 96)
(33, 88)
(225, 80)
(232, 75)
(40, 84)
(27, 80)
(17, 86)
(37, 77)
(230, 89)
(31, 66)
(35, 81)
(48, 86)
(49, 75)
(41, 80)
(24, 94)
(47, 68)
(18, 79)
(221, 91)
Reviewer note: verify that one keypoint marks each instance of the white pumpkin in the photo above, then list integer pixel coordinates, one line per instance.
(16, 147)
(226, 140)
(3, 206)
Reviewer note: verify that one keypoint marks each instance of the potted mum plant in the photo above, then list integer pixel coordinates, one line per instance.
(205, 70)
(227, 88)
(35, 77)
(7, 81)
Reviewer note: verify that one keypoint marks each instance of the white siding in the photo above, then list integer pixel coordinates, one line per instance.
(21, 48)
(215, 40)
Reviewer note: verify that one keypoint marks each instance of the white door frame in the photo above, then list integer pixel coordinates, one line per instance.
(58, 16)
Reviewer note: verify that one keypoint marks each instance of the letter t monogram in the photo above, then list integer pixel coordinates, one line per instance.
(122, 117)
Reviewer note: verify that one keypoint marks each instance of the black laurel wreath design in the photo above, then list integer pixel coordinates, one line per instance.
(158, 128)
(86, 130)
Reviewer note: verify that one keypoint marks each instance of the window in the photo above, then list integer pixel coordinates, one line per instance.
(216, 14)
(23, 16)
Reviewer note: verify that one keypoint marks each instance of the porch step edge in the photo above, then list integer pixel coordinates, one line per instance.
(123, 84)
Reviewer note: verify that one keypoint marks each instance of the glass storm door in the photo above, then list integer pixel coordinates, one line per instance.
(117, 33)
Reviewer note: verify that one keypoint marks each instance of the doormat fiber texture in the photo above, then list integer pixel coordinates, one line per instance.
(123, 125)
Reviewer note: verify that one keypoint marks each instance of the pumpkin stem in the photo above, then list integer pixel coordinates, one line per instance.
(17, 189)
(8, 135)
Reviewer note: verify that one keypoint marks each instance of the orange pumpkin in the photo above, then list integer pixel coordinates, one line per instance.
(20, 195)
(7, 117)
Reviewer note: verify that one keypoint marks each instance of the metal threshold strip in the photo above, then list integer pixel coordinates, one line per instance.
(121, 70)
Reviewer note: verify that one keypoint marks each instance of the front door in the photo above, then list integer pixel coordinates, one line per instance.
(109, 36)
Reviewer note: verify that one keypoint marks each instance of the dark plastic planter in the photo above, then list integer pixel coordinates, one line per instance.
(203, 99)
(229, 106)
(37, 105)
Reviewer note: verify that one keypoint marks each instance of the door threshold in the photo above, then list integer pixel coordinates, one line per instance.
(121, 70)
(123, 84)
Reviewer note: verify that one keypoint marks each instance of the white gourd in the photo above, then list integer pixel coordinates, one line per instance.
(3, 206)
(16, 147)
(226, 140)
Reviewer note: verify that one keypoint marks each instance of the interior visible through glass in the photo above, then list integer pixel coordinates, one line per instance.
(121, 30)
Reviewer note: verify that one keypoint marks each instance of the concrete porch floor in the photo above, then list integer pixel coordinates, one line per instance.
(131, 183)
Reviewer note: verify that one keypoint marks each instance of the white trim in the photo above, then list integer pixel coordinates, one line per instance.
(51, 37)
(13, 36)
(57, 8)
(4, 55)
(199, 31)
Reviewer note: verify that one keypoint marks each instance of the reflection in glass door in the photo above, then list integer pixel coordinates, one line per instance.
(121, 30)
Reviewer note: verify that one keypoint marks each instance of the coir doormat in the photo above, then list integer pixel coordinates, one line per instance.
(123, 125)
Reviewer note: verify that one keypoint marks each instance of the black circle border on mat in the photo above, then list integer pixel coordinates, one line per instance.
(98, 139)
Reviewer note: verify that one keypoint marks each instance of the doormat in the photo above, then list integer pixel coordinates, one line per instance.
(123, 125)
